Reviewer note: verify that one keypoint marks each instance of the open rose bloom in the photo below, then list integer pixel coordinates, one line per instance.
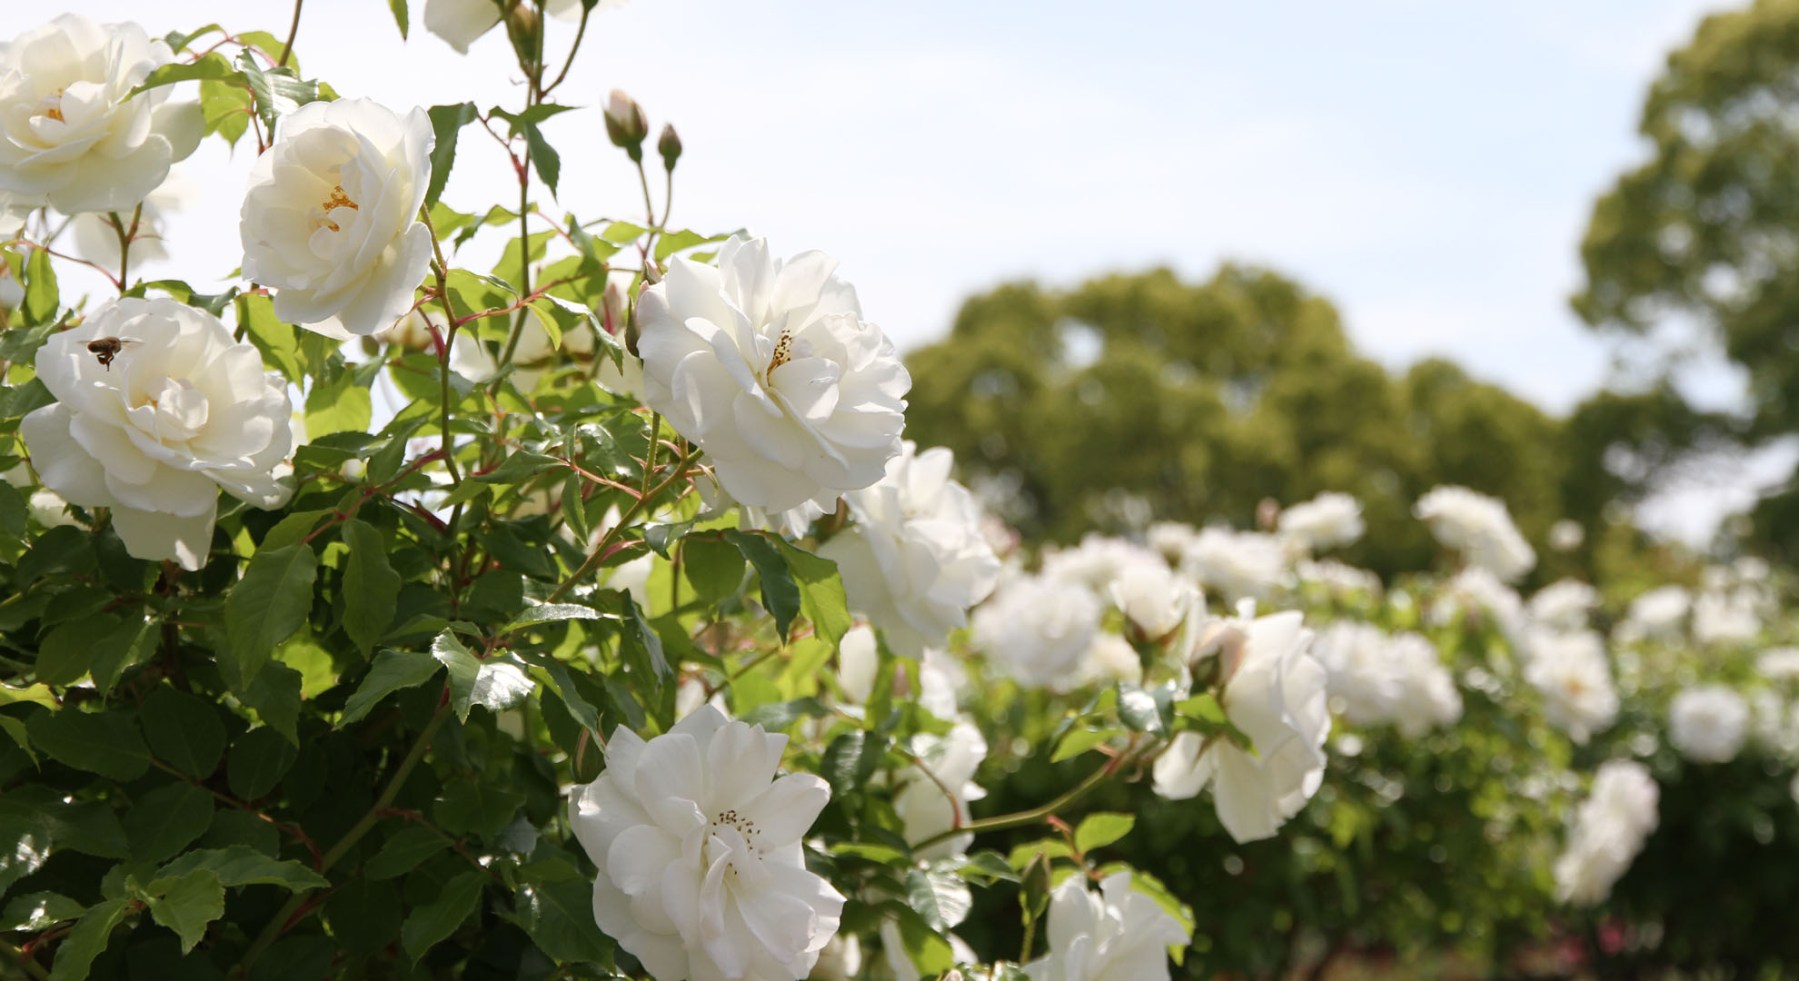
(71, 136)
(331, 217)
(698, 846)
(769, 367)
(182, 411)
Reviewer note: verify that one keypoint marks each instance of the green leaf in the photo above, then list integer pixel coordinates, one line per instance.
(402, 17)
(278, 91)
(36, 911)
(183, 731)
(556, 910)
(780, 595)
(544, 157)
(405, 851)
(446, 126)
(241, 865)
(713, 567)
(42, 298)
(622, 233)
(75, 955)
(29, 837)
(226, 106)
(371, 585)
(275, 695)
(341, 405)
(258, 761)
(939, 896)
(67, 651)
(131, 643)
(392, 671)
(278, 341)
(430, 924)
(15, 730)
(1138, 709)
(1100, 830)
(464, 669)
(552, 613)
(472, 807)
(821, 592)
(164, 821)
(1078, 741)
(213, 66)
(925, 948)
(106, 743)
(187, 903)
(267, 606)
(38, 694)
(17, 401)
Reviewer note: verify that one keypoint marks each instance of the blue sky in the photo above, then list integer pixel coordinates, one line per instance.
(1428, 166)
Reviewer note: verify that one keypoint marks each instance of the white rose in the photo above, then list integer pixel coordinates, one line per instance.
(915, 560)
(1563, 605)
(331, 217)
(1325, 521)
(858, 664)
(930, 803)
(1477, 593)
(1480, 528)
(1364, 678)
(462, 22)
(1658, 613)
(182, 411)
(1097, 561)
(1608, 830)
(1038, 630)
(1708, 724)
(1428, 698)
(1778, 664)
(1154, 599)
(1237, 564)
(70, 136)
(1728, 616)
(1275, 693)
(702, 873)
(769, 367)
(1575, 680)
(1116, 933)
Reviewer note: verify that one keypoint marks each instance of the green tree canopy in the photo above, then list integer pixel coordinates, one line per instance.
(1202, 400)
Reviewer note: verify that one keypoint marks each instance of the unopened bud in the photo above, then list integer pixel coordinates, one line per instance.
(522, 25)
(614, 308)
(669, 145)
(625, 123)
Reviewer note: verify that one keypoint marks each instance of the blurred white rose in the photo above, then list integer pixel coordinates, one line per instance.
(330, 220)
(1236, 564)
(1563, 605)
(1480, 528)
(70, 134)
(769, 367)
(1778, 664)
(1097, 561)
(1325, 521)
(1038, 630)
(1728, 616)
(1575, 680)
(1428, 697)
(1708, 724)
(1566, 535)
(1275, 693)
(929, 804)
(182, 411)
(697, 841)
(1154, 599)
(1112, 935)
(1607, 832)
(915, 560)
(1658, 613)
(1364, 681)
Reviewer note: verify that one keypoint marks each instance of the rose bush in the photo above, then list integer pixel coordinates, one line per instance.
(590, 615)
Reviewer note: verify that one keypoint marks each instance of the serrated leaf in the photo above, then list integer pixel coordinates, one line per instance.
(405, 851)
(392, 671)
(1100, 830)
(278, 91)
(1078, 741)
(821, 592)
(187, 903)
(75, 955)
(558, 916)
(258, 761)
(552, 613)
(939, 896)
(780, 595)
(164, 821)
(402, 16)
(371, 585)
(463, 668)
(544, 158)
(106, 743)
(36, 911)
(432, 923)
(241, 865)
(183, 731)
(446, 127)
(713, 566)
(266, 607)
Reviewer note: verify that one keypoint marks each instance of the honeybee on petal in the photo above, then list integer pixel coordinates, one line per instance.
(104, 349)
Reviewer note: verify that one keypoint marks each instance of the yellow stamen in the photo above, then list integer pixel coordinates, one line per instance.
(783, 352)
(337, 199)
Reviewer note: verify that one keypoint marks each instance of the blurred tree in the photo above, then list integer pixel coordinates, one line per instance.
(1141, 395)
(1708, 231)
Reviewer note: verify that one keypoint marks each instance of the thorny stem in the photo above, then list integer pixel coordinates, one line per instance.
(279, 922)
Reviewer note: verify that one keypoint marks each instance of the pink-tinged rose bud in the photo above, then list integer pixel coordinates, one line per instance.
(625, 123)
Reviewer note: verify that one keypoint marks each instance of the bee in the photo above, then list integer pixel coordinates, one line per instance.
(104, 349)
